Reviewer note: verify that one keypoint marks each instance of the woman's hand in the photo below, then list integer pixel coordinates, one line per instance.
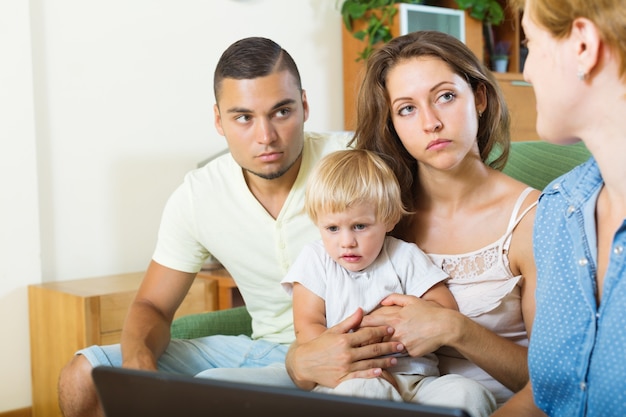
(421, 326)
(342, 352)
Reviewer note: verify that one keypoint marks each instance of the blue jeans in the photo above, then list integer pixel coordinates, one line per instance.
(216, 357)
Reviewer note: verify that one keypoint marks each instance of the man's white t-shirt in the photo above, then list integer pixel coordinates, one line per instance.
(213, 212)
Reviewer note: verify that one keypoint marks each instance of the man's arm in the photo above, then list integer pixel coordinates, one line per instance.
(146, 331)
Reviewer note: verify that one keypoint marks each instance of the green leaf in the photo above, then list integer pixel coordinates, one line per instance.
(378, 14)
(487, 11)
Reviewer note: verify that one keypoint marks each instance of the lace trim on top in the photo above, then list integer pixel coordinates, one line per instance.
(481, 279)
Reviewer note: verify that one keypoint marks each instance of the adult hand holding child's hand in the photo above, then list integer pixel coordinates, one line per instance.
(420, 325)
(347, 350)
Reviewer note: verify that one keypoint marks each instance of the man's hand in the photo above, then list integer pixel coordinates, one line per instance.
(342, 352)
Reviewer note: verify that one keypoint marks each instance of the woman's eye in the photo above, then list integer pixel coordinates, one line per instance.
(446, 97)
(406, 110)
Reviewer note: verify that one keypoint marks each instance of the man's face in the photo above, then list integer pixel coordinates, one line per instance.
(262, 120)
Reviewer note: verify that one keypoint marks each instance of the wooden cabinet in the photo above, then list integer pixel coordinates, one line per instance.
(520, 98)
(518, 94)
(66, 316)
(228, 294)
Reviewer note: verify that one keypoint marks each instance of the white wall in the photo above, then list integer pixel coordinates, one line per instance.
(19, 224)
(109, 103)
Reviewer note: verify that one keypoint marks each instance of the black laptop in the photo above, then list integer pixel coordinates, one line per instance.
(126, 392)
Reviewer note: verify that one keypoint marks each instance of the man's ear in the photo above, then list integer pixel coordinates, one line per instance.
(305, 105)
(218, 120)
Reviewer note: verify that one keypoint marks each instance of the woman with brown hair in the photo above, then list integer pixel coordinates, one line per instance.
(435, 113)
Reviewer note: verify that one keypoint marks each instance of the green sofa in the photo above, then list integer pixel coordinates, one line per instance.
(535, 163)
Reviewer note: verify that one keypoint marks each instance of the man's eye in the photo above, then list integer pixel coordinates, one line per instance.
(282, 113)
(243, 118)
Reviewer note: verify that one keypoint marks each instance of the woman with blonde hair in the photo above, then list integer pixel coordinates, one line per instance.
(577, 66)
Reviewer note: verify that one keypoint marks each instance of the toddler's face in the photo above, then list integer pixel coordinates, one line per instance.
(353, 238)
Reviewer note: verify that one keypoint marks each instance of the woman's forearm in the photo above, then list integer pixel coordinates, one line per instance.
(520, 405)
(504, 360)
(424, 328)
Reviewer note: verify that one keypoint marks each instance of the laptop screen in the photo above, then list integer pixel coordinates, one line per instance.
(127, 392)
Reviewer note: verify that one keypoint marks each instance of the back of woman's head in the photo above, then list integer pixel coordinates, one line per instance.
(347, 178)
(557, 16)
(375, 129)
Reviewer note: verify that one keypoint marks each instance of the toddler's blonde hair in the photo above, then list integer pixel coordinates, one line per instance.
(352, 177)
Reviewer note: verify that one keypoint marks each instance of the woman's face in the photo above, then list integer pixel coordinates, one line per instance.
(434, 111)
(551, 70)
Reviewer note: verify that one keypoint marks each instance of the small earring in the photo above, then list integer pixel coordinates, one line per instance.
(480, 114)
(581, 75)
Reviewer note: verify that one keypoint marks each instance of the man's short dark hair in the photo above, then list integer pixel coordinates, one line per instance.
(251, 58)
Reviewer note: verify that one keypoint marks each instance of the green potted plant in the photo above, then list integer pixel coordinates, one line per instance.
(378, 15)
(500, 56)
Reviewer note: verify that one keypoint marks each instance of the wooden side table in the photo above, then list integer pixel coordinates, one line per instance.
(228, 294)
(66, 316)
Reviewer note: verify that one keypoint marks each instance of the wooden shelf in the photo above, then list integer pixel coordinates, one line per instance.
(511, 30)
(519, 95)
(353, 70)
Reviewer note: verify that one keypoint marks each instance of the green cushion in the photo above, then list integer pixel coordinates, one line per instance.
(537, 163)
(233, 321)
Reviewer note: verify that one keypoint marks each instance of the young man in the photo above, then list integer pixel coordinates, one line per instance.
(245, 209)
